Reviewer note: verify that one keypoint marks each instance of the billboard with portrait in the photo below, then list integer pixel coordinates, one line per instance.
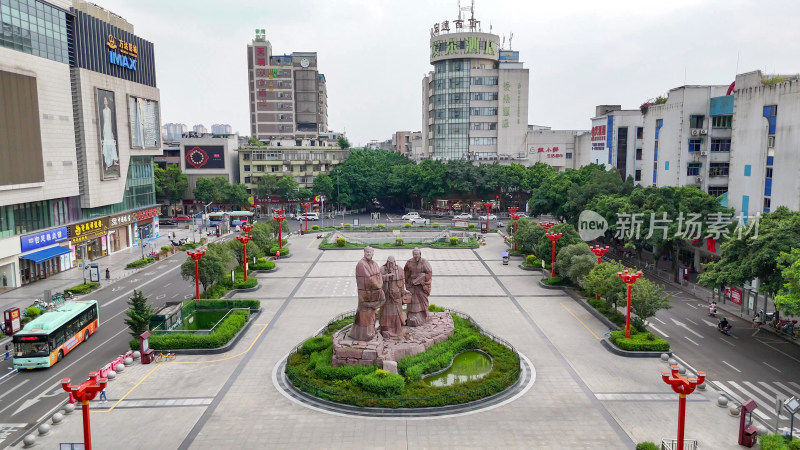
(107, 128)
(145, 126)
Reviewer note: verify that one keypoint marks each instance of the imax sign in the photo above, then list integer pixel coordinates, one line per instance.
(121, 60)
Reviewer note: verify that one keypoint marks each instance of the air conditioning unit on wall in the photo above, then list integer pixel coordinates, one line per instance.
(698, 179)
(703, 153)
(703, 131)
(695, 132)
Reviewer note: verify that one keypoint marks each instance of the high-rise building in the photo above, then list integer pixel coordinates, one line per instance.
(221, 128)
(200, 128)
(78, 138)
(174, 131)
(475, 101)
(288, 96)
(617, 140)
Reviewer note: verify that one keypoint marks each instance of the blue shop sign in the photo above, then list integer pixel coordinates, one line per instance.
(42, 239)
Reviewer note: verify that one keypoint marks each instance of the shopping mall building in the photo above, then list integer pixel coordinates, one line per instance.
(79, 127)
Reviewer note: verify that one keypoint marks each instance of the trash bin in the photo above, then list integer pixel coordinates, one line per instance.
(750, 436)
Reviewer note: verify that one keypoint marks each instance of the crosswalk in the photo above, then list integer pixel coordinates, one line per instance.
(764, 393)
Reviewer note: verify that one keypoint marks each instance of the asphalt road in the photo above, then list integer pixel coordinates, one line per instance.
(747, 364)
(27, 397)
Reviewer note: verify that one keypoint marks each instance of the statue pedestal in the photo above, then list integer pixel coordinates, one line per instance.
(347, 351)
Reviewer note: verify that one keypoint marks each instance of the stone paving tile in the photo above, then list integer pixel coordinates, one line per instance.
(286, 268)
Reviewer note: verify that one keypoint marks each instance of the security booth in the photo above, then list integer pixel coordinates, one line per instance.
(11, 321)
(748, 434)
(144, 348)
(484, 228)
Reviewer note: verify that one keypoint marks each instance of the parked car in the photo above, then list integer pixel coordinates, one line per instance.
(491, 217)
(463, 216)
(523, 216)
(166, 221)
(415, 220)
(311, 216)
(183, 218)
(410, 215)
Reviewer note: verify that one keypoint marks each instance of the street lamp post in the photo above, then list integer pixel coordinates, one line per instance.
(305, 212)
(487, 205)
(515, 217)
(280, 218)
(599, 251)
(84, 393)
(247, 229)
(554, 237)
(196, 255)
(244, 240)
(629, 279)
(682, 386)
(546, 225)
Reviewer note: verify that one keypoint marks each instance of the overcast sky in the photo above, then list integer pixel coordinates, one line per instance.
(374, 52)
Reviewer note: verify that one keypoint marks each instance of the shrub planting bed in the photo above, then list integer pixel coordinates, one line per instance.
(224, 332)
(140, 263)
(647, 342)
(310, 370)
(82, 288)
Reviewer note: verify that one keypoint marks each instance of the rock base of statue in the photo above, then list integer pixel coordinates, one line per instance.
(348, 351)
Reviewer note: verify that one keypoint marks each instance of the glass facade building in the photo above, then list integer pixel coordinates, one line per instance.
(34, 27)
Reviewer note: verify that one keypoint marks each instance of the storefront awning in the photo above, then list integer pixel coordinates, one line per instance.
(44, 255)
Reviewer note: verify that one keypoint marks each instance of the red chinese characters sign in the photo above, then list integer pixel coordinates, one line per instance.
(599, 133)
(551, 152)
(734, 294)
(148, 213)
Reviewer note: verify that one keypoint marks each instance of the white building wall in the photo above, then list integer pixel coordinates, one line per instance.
(55, 119)
(511, 138)
(556, 148)
(100, 192)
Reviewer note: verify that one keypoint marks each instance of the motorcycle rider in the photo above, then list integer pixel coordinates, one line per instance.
(712, 309)
(724, 326)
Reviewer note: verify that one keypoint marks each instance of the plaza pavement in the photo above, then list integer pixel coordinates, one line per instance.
(583, 396)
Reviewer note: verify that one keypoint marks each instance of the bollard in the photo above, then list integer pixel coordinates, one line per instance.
(701, 386)
(57, 418)
(137, 354)
(733, 410)
(29, 440)
(672, 361)
(722, 401)
(44, 429)
(682, 370)
(128, 361)
(111, 375)
(69, 408)
(120, 367)
(664, 357)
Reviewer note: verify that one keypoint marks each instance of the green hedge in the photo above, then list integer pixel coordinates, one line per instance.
(639, 342)
(249, 284)
(225, 304)
(532, 261)
(315, 344)
(381, 383)
(33, 312)
(777, 442)
(165, 248)
(262, 265)
(646, 446)
(190, 246)
(554, 281)
(217, 290)
(611, 314)
(82, 288)
(140, 263)
(235, 321)
(284, 251)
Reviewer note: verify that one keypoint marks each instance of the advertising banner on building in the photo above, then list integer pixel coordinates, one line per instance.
(735, 295)
(42, 239)
(145, 125)
(204, 157)
(88, 230)
(107, 129)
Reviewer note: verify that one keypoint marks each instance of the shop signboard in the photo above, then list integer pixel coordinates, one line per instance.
(88, 230)
(43, 239)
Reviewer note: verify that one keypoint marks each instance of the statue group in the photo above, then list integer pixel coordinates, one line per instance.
(387, 288)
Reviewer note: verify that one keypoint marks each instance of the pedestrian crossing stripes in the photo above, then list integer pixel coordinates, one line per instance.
(764, 393)
(160, 403)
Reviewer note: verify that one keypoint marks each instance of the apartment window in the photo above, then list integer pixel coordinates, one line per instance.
(767, 204)
(721, 121)
(659, 124)
(484, 81)
(247, 180)
(694, 145)
(637, 175)
(246, 156)
(483, 111)
(696, 121)
(298, 143)
(483, 96)
(274, 168)
(260, 168)
(718, 169)
(720, 145)
(771, 141)
(247, 168)
(638, 154)
(639, 132)
(769, 172)
(568, 155)
(693, 169)
(483, 141)
(302, 168)
(716, 191)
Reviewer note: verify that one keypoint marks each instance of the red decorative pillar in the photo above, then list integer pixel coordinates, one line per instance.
(305, 213)
(682, 386)
(629, 279)
(247, 229)
(487, 205)
(554, 237)
(244, 240)
(599, 252)
(515, 217)
(196, 255)
(280, 217)
(84, 393)
(546, 225)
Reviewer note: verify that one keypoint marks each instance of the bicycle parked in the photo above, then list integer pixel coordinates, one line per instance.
(161, 357)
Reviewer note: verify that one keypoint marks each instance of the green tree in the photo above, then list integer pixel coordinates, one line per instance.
(216, 189)
(237, 195)
(287, 187)
(579, 267)
(603, 280)
(170, 183)
(262, 234)
(343, 143)
(323, 185)
(528, 235)
(210, 269)
(571, 265)
(647, 298)
(236, 247)
(544, 248)
(139, 313)
(788, 300)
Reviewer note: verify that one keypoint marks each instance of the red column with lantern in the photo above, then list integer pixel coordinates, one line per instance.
(554, 237)
(682, 386)
(280, 217)
(546, 225)
(487, 205)
(629, 279)
(84, 393)
(599, 251)
(305, 213)
(196, 255)
(515, 217)
(244, 240)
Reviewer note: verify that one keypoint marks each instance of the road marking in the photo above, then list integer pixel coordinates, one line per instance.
(135, 280)
(690, 306)
(683, 325)
(734, 368)
(779, 351)
(131, 390)
(118, 288)
(693, 342)
(726, 341)
(174, 296)
(709, 323)
(11, 373)
(659, 331)
(167, 284)
(145, 283)
(692, 321)
(9, 391)
(579, 320)
(311, 243)
(656, 318)
(231, 356)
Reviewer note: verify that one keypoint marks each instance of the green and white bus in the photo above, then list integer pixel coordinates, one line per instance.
(47, 338)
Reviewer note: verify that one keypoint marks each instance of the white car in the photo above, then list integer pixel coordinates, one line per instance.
(463, 216)
(415, 220)
(411, 215)
(311, 216)
(491, 217)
